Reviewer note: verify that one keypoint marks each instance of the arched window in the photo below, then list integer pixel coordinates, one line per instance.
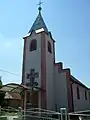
(49, 47)
(78, 93)
(33, 45)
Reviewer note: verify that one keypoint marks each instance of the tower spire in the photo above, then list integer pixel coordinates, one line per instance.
(39, 22)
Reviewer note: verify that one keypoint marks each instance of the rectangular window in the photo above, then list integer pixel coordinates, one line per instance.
(85, 95)
(78, 93)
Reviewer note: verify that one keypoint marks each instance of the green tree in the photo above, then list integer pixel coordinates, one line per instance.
(1, 82)
(2, 94)
(89, 93)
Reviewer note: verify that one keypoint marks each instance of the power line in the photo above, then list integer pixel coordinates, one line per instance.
(9, 72)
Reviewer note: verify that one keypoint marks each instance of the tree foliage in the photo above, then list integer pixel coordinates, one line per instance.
(2, 94)
(1, 83)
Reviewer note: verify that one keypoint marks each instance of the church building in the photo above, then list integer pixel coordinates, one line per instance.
(52, 86)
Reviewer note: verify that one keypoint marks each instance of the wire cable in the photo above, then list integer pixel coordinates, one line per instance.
(9, 72)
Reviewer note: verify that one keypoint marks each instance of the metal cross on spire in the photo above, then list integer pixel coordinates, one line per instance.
(39, 4)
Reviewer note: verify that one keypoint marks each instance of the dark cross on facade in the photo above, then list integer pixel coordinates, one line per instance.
(31, 76)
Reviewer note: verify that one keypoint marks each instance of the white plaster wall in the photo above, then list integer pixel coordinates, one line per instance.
(49, 75)
(33, 58)
(61, 95)
(80, 104)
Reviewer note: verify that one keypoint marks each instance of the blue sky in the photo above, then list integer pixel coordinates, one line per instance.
(69, 22)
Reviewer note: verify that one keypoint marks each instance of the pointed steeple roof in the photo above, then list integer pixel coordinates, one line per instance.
(39, 23)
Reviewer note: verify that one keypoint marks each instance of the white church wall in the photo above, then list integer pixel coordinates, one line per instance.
(80, 104)
(33, 58)
(61, 96)
(49, 75)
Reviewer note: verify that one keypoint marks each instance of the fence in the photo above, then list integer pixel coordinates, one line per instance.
(40, 114)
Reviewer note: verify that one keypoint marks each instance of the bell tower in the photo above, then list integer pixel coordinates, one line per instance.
(38, 62)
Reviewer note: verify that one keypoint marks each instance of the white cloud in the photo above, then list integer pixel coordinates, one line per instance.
(5, 43)
(1, 36)
(10, 57)
(9, 44)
